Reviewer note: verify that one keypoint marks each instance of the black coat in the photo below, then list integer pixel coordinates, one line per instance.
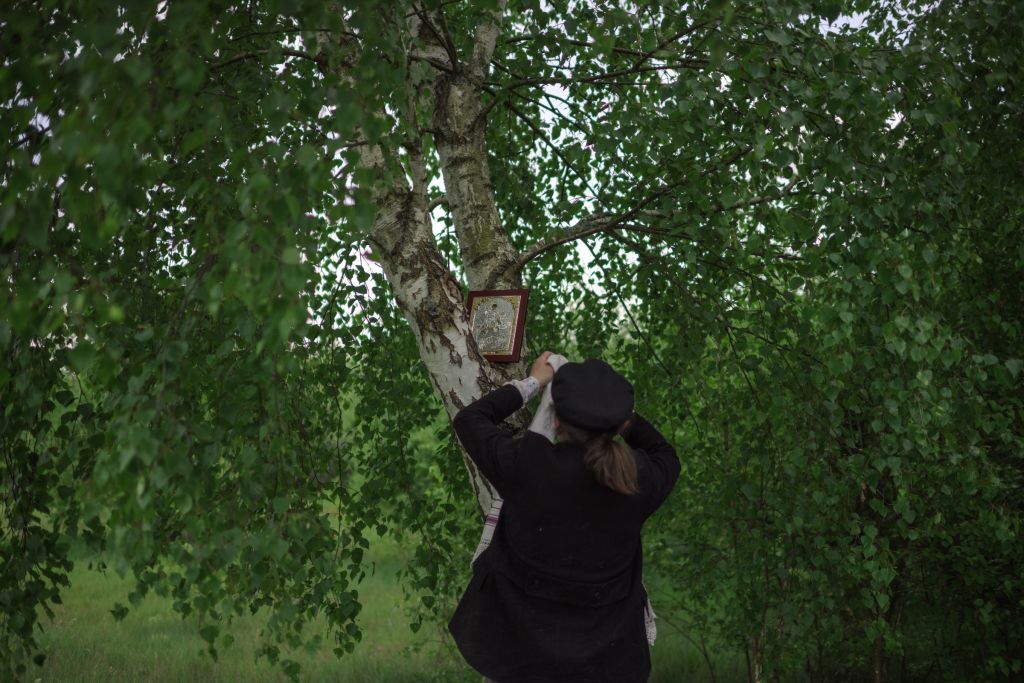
(557, 595)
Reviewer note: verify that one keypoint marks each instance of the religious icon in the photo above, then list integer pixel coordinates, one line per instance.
(497, 319)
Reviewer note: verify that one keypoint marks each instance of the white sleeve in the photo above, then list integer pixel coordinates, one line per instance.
(527, 387)
(544, 419)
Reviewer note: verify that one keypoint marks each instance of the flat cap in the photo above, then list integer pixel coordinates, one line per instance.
(592, 395)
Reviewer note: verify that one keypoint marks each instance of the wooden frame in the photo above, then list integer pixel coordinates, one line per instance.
(499, 334)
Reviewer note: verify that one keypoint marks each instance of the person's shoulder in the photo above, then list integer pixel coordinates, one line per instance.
(645, 467)
(536, 442)
(536, 452)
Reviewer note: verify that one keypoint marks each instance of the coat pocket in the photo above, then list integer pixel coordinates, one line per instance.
(577, 593)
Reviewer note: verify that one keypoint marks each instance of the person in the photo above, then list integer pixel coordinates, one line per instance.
(557, 594)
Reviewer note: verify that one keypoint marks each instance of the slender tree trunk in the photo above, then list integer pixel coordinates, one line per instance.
(431, 300)
(756, 656)
(877, 662)
(425, 290)
(459, 131)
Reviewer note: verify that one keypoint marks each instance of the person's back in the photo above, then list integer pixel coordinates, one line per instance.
(558, 595)
(560, 518)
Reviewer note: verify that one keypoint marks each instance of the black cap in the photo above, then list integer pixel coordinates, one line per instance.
(591, 395)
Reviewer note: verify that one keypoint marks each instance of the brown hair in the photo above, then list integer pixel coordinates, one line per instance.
(611, 462)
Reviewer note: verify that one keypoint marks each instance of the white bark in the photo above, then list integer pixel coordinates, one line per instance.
(431, 301)
(459, 133)
(425, 290)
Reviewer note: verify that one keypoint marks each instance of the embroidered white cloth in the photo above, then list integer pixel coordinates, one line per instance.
(543, 423)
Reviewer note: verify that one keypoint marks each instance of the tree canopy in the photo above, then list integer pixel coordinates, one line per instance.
(236, 240)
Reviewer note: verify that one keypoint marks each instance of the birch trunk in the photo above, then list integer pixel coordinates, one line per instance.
(431, 300)
(487, 254)
(425, 290)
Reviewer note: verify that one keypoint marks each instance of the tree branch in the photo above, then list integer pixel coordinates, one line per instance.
(604, 222)
(35, 135)
(575, 124)
(485, 37)
(440, 52)
(663, 44)
(281, 31)
(641, 54)
(253, 54)
(601, 78)
(432, 61)
(448, 42)
(760, 199)
(568, 41)
(582, 228)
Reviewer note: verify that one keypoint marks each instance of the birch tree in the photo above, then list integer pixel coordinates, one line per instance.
(237, 241)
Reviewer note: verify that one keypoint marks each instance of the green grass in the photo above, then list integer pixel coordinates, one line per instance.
(84, 643)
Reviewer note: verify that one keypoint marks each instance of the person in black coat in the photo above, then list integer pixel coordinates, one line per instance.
(557, 595)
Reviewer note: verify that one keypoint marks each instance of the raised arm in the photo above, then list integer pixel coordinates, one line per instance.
(476, 425)
(660, 454)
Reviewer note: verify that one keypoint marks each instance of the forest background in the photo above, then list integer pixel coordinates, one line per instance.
(795, 225)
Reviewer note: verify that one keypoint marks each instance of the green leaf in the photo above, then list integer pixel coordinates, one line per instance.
(778, 35)
(290, 256)
(119, 612)
(82, 356)
(209, 633)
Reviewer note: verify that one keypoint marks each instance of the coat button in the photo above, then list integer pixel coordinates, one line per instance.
(597, 595)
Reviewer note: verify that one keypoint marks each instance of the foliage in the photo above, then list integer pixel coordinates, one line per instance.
(160, 399)
(805, 226)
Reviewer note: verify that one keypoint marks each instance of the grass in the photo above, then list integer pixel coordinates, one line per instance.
(84, 643)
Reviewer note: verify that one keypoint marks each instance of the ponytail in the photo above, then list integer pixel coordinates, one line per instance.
(612, 462)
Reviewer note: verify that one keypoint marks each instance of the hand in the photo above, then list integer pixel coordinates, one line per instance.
(540, 370)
